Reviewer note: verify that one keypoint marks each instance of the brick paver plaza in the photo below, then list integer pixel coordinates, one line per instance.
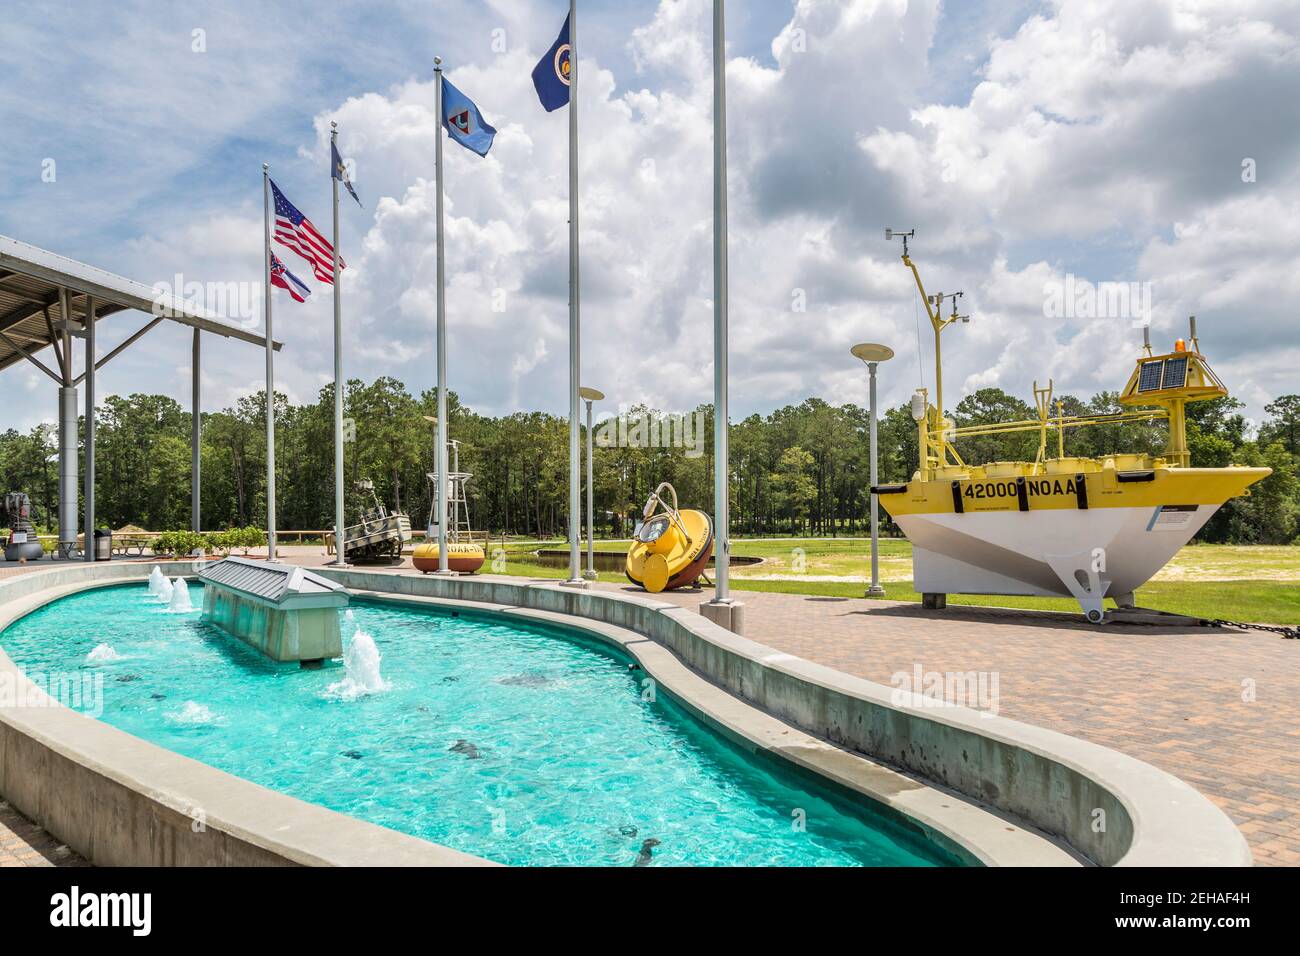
(1218, 708)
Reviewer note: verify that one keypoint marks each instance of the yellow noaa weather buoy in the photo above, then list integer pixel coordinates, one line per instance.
(464, 554)
(462, 557)
(1094, 529)
(671, 547)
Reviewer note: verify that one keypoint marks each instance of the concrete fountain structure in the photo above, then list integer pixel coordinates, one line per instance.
(286, 612)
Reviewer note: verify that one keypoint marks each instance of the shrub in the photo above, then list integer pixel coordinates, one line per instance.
(180, 543)
(249, 538)
(221, 542)
(195, 541)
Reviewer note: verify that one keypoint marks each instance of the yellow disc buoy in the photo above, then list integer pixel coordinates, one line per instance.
(671, 547)
(655, 573)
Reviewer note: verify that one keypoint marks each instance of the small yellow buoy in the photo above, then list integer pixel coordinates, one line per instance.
(671, 547)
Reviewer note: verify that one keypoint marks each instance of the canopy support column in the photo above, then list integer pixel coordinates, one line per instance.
(196, 432)
(89, 551)
(67, 442)
(67, 471)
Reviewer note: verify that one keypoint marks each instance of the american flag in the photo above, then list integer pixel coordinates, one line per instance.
(282, 278)
(295, 230)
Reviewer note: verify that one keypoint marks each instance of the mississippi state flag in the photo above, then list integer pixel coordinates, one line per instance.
(282, 278)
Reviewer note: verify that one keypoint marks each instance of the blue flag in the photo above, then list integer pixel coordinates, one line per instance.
(551, 74)
(341, 172)
(465, 124)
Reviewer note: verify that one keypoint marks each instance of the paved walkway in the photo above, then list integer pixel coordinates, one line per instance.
(23, 843)
(1218, 708)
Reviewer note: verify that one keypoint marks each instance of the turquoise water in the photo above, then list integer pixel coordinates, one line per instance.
(521, 743)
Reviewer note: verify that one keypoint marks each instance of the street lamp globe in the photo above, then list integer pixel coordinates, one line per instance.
(871, 352)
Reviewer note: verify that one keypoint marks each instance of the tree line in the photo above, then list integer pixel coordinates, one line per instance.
(803, 469)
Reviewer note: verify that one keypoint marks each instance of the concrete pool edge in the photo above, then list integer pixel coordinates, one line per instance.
(1151, 817)
(1110, 808)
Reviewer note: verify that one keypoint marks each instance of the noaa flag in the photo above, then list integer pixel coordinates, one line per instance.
(551, 75)
(465, 124)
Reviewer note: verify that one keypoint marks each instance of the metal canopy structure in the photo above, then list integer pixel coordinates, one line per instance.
(48, 300)
(32, 307)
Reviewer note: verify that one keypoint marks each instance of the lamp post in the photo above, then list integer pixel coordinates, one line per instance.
(590, 395)
(723, 610)
(873, 355)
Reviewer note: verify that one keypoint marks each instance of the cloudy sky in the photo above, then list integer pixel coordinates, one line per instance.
(1111, 141)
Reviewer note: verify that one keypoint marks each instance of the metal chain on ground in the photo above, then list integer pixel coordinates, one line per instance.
(1290, 633)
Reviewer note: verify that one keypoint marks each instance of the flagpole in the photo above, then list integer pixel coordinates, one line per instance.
(721, 609)
(440, 453)
(720, 411)
(270, 363)
(340, 558)
(575, 300)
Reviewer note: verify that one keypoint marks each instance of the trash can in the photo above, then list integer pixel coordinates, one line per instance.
(103, 544)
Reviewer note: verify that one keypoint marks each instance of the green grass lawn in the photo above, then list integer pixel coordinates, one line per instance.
(1256, 584)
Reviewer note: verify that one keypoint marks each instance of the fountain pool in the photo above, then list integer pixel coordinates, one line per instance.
(520, 742)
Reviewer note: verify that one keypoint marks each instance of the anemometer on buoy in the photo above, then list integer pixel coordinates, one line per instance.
(910, 234)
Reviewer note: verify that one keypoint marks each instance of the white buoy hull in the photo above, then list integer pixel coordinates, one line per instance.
(1088, 555)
